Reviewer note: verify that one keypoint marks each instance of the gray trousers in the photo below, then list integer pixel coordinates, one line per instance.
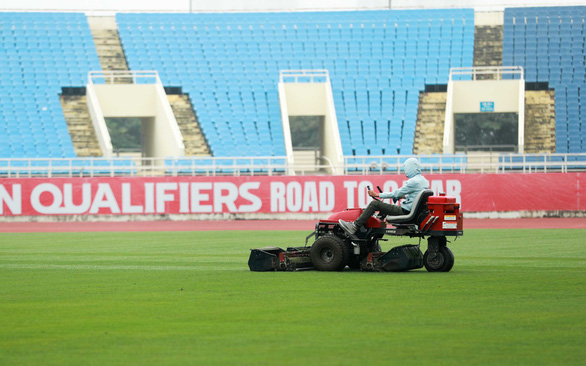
(384, 208)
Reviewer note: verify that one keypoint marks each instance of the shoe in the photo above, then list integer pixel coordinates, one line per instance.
(348, 227)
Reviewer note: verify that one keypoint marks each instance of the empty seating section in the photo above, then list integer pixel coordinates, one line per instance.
(40, 53)
(549, 43)
(229, 64)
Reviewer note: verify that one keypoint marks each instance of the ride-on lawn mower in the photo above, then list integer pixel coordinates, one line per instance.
(434, 217)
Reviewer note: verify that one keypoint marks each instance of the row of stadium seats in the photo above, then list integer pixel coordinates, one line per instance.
(391, 32)
(549, 43)
(315, 19)
(398, 54)
(358, 63)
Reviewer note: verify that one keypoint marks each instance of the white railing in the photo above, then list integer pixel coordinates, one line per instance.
(515, 72)
(144, 167)
(304, 76)
(277, 165)
(469, 163)
(127, 77)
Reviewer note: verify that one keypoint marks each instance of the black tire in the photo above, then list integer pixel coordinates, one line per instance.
(450, 262)
(329, 253)
(440, 261)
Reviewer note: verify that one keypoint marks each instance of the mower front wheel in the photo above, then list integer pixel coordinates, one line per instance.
(329, 253)
(441, 260)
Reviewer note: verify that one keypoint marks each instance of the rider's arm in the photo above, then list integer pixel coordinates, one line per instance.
(408, 187)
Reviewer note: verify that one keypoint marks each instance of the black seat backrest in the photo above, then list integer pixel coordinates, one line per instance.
(419, 205)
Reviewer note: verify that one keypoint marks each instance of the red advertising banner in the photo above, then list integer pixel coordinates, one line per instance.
(290, 194)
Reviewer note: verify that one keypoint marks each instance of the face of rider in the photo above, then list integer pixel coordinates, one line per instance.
(411, 167)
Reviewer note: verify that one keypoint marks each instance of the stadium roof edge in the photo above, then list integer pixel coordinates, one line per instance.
(109, 8)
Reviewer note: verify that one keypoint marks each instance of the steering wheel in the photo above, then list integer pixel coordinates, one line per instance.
(395, 200)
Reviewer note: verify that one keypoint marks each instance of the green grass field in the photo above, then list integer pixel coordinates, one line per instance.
(514, 297)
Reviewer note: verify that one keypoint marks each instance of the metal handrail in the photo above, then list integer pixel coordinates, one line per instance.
(110, 76)
(476, 71)
(329, 163)
(312, 75)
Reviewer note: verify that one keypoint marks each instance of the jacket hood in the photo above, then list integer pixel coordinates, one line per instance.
(411, 167)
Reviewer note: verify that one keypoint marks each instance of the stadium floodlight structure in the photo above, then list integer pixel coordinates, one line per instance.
(309, 93)
(484, 90)
(134, 94)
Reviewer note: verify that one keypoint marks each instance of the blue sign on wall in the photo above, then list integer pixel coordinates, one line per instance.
(487, 106)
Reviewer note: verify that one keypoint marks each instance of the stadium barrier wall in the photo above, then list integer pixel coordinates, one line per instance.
(275, 197)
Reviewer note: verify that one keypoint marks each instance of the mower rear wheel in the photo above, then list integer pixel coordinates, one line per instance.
(439, 261)
(329, 253)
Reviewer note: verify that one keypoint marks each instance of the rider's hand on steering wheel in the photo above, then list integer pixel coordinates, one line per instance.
(373, 194)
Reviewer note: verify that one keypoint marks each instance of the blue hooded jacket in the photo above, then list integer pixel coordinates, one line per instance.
(415, 184)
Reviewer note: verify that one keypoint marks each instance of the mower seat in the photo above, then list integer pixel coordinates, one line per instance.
(419, 205)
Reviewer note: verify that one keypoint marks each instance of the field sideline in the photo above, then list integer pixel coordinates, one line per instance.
(514, 297)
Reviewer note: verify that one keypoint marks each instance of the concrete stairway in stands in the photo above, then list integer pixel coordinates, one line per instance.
(80, 125)
(540, 121)
(429, 131)
(75, 111)
(488, 47)
(193, 139)
(108, 46)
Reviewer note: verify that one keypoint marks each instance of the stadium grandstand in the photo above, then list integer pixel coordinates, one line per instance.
(387, 75)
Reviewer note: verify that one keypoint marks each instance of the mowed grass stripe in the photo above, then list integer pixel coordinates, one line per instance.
(98, 267)
(514, 297)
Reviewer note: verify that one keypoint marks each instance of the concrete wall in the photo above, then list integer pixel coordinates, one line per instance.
(305, 99)
(466, 96)
(489, 18)
(162, 135)
(126, 100)
(331, 133)
(98, 121)
(183, 6)
(314, 99)
(479, 5)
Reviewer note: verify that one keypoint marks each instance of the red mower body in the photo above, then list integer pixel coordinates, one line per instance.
(444, 216)
(351, 214)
